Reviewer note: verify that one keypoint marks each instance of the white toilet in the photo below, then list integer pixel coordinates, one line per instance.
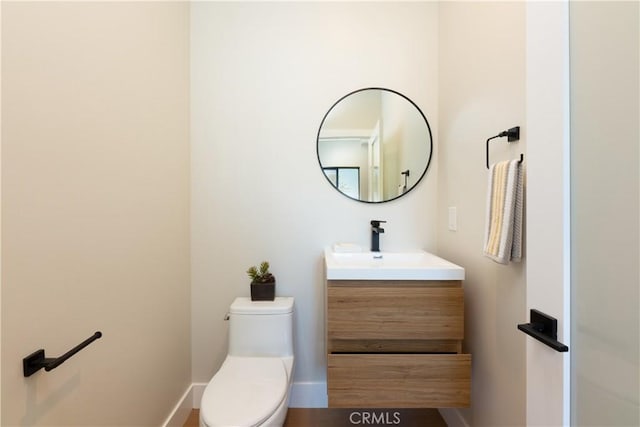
(252, 386)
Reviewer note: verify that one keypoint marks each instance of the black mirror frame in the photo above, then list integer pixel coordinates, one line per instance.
(426, 168)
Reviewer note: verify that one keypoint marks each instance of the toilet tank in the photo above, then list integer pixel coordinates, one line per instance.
(261, 328)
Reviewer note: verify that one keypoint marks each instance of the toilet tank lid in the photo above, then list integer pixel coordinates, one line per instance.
(244, 305)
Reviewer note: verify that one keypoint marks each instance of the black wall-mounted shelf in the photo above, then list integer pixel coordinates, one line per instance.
(544, 328)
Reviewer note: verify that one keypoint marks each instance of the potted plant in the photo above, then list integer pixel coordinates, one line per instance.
(263, 283)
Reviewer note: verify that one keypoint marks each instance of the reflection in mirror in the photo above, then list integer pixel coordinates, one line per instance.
(374, 145)
(347, 180)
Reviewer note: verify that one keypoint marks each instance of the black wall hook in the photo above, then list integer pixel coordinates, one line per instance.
(512, 135)
(36, 360)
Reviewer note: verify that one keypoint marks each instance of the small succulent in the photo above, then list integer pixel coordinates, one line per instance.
(261, 274)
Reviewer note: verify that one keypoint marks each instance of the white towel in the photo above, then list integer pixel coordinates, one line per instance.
(503, 231)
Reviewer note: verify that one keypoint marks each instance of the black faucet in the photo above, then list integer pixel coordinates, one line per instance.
(375, 234)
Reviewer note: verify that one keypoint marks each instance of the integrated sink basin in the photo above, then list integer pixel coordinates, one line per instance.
(413, 265)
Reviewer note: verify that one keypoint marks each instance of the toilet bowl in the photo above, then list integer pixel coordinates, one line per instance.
(252, 387)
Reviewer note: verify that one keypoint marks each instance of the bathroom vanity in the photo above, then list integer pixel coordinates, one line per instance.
(394, 331)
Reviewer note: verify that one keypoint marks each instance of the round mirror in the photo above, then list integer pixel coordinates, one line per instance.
(374, 145)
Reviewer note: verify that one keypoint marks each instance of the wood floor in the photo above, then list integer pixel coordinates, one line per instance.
(316, 417)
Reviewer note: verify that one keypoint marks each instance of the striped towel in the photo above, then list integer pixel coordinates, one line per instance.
(503, 232)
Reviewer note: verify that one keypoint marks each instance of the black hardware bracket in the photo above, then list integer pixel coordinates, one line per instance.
(406, 178)
(37, 360)
(544, 328)
(512, 135)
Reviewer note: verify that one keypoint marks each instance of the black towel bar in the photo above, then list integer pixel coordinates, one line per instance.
(512, 135)
(36, 360)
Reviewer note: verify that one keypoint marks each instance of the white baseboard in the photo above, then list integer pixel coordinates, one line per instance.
(198, 391)
(453, 417)
(181, 411)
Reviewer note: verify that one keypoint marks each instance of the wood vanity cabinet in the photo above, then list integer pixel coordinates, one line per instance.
(396, 344)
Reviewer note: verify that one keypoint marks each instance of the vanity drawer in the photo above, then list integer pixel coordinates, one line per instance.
(399, 380)
(398, 311)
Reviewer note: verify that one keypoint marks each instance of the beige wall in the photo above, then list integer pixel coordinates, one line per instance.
(263, 77)
(95, 210)
(482, 92)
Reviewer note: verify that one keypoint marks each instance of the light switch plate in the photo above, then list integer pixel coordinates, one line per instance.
(453, 218)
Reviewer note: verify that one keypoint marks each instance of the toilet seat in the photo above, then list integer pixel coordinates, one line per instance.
(244, 392)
